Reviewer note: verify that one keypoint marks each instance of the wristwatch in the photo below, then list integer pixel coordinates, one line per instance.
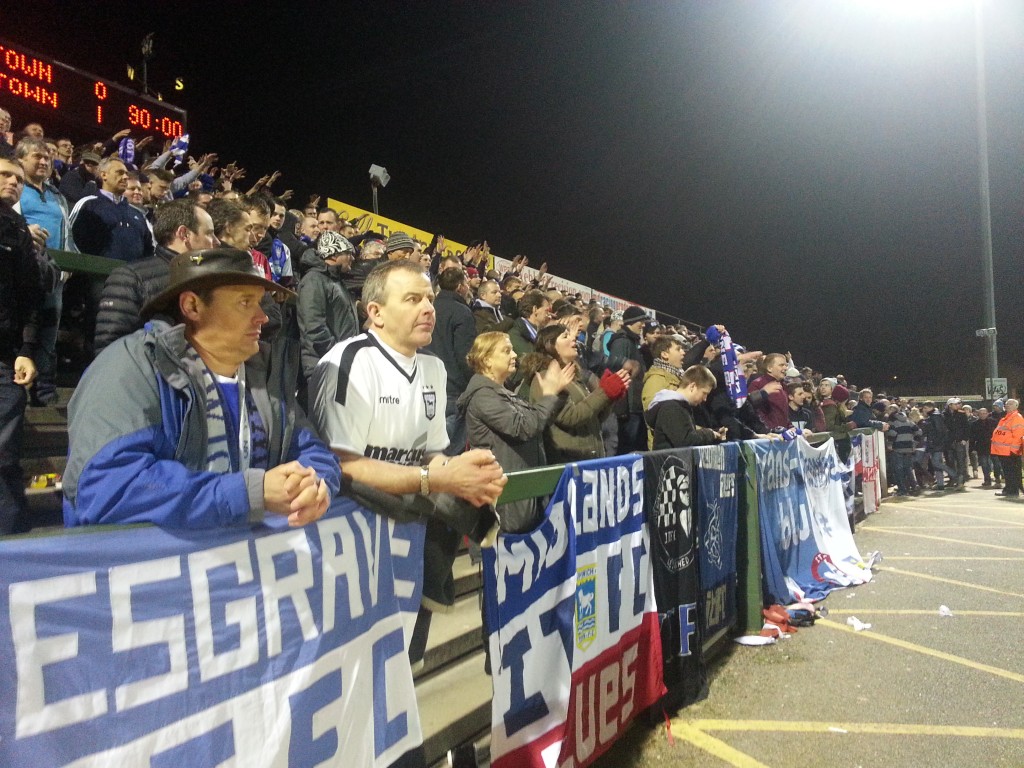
(424, 480)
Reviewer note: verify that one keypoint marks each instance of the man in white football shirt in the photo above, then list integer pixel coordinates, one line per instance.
(380, 407)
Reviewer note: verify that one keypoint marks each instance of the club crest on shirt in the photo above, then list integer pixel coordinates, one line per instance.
(430, 404)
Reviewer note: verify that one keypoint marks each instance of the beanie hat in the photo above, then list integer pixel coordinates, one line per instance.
(331, 244)
(713, 335)
(399, 241)
(632, 315)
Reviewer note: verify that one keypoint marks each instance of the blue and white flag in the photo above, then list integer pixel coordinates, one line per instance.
(126, 151)
(572, 622)
(179, 149)
(269, 647)
(806, 544)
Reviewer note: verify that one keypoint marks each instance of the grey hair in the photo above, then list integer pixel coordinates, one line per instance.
(106, 162)
(375, 289)
(28, 144)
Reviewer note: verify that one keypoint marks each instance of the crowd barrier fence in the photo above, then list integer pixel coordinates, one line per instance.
(279, 646)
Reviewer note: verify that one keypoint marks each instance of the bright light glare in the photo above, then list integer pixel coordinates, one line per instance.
(914, 8)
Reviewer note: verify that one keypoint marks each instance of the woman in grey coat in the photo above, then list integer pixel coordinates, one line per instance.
(510, 427)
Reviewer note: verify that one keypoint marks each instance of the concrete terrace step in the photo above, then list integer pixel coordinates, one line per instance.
(455, 707)
(468, 577)
(43, 465)
(45, 440)
(453, 636)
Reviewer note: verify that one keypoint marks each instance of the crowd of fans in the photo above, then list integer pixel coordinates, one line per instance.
(426, 375)
(535, 376)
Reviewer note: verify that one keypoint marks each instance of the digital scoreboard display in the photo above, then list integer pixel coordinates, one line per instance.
(36, 88)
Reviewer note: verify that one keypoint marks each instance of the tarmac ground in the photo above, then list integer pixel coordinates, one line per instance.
(917, 689)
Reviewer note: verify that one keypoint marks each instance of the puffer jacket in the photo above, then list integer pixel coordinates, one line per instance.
(513, 430)
(139, 441)
(125, 292)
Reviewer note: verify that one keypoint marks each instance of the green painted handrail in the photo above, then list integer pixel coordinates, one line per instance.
(84, 262)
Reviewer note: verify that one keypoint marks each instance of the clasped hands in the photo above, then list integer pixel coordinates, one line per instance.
(297, 492)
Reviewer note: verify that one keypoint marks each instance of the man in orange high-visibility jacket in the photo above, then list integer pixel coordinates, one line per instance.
(1007, 441)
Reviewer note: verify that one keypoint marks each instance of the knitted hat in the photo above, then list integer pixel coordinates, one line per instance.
(633, 315)
(331, 244)
(399, 241)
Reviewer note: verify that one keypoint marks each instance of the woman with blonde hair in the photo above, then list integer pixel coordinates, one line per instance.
(508, 425)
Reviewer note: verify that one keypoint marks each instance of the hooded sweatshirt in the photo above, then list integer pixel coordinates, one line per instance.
(670, 417)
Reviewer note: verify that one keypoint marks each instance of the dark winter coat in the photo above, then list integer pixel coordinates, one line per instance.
(935, 433)
(102, 227)
(21, 291)
(125, 292)
(454, 334)
(327, 312)
(670, 416)
(513, 430)
(622, 346)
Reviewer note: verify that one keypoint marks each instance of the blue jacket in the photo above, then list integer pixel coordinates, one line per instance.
(137, 427)
(102, 227)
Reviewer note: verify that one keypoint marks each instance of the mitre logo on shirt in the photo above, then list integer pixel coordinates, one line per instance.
(389, 400)
(429, 403)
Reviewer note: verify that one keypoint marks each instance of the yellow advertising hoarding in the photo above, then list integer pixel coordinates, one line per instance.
(367, 221)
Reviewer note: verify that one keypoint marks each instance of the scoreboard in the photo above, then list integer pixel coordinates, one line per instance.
(37, 88)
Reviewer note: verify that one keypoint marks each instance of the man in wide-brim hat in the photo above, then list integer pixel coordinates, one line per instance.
(193, 423)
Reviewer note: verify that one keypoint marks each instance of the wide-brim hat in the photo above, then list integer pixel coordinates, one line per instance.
(209, 268)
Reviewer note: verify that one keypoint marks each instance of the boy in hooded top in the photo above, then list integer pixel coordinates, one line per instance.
(670, 414)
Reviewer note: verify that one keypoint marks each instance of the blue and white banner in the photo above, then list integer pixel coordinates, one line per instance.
(718, 507)
(806, 544)
(572, 622)
(274, 647)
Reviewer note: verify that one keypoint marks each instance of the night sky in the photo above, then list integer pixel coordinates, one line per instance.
(804, 172)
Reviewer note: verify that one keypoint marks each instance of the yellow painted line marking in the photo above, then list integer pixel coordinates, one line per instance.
(895, 729)
(952, 558)
(1006, 527)
(965, 515)
(872, 635)
(715, 747)
(979, 517)
(954, 582)
(946, 539)
(975, 503)
(918, 612)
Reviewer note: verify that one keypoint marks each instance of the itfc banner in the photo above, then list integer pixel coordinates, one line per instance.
(806, 545)
(272, 647)
(572, 622)
(717, 469)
